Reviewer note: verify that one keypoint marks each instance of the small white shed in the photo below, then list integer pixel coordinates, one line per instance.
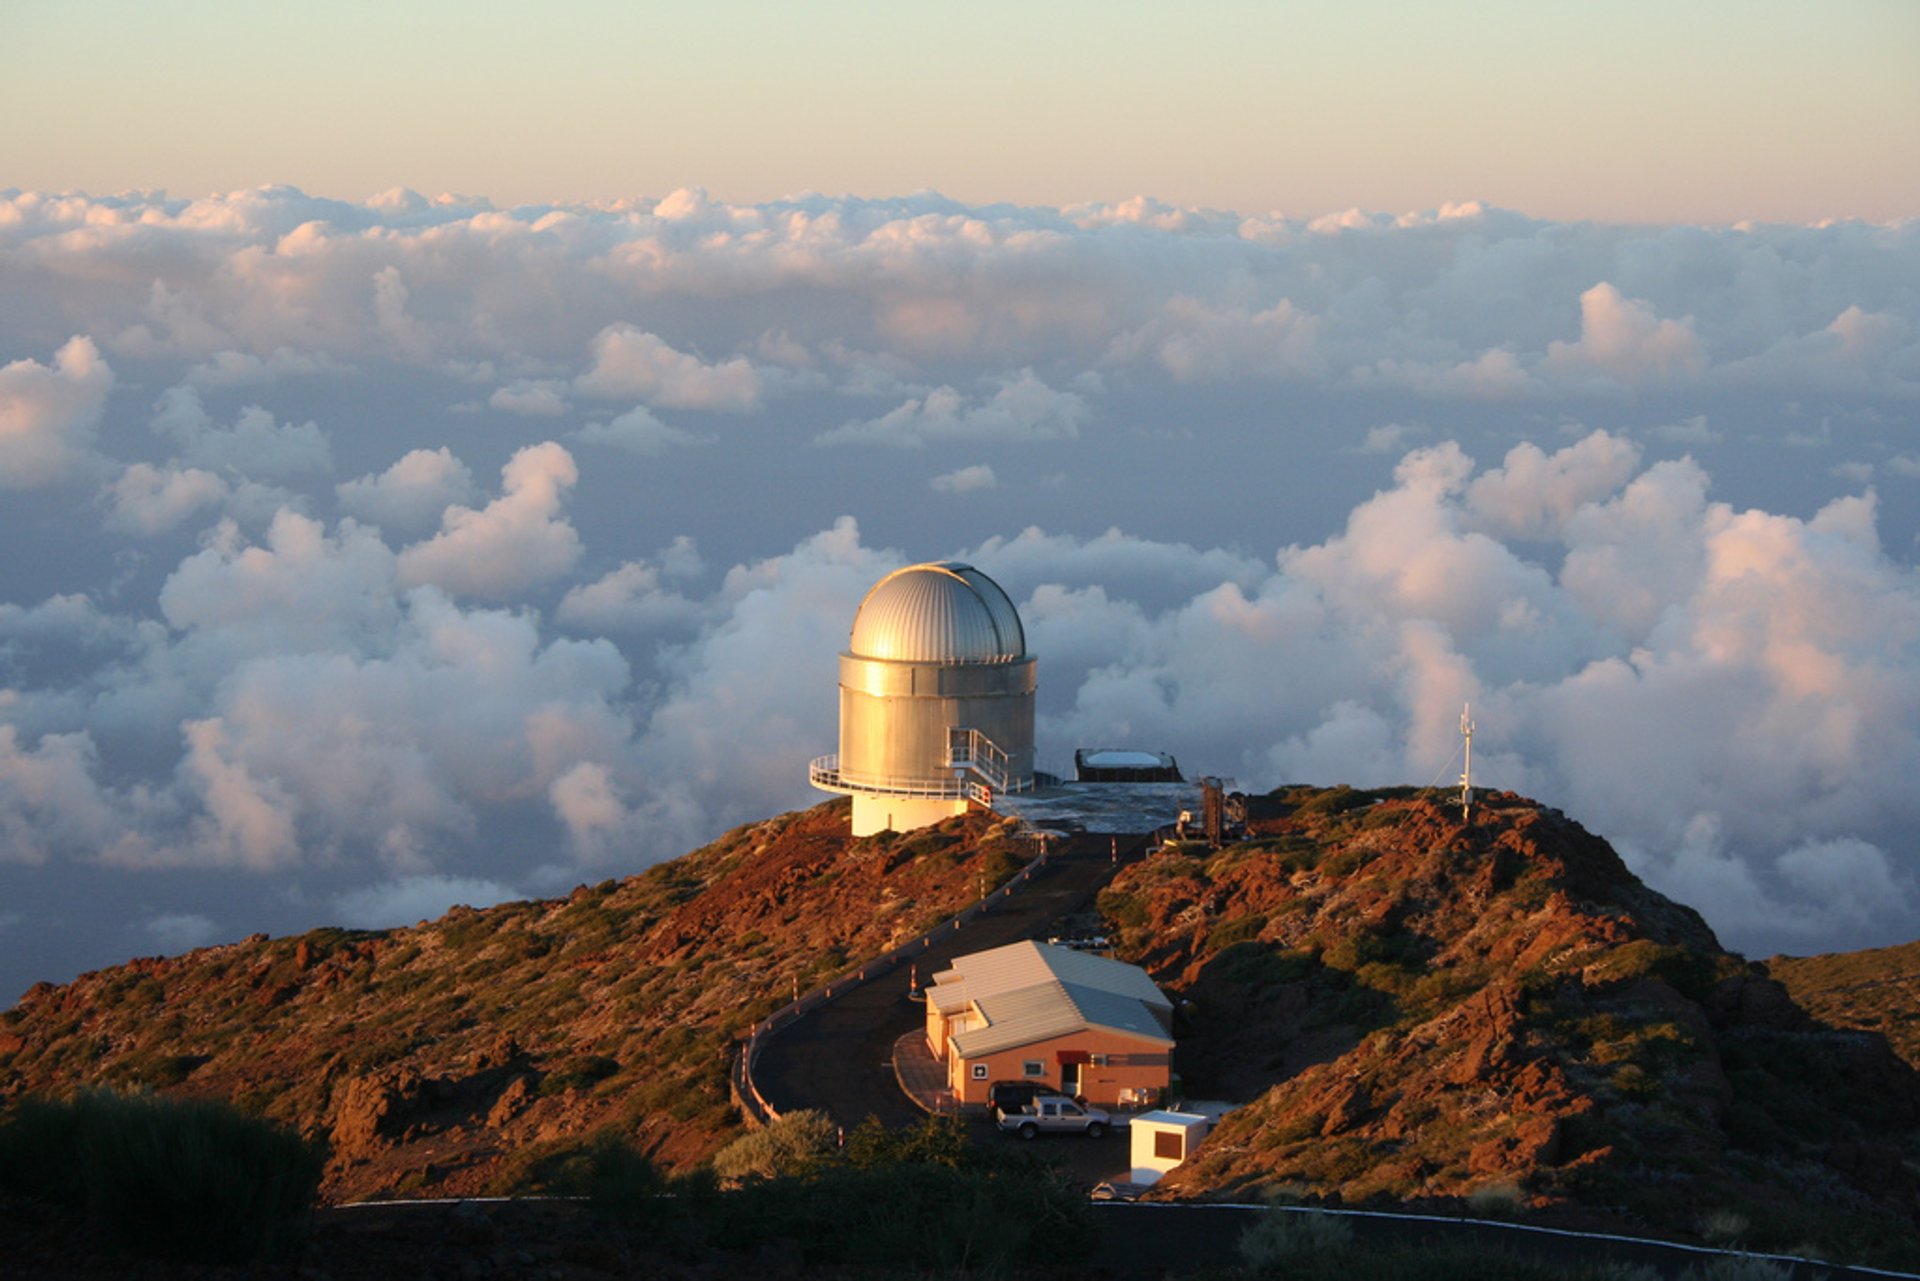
(1162, 1140)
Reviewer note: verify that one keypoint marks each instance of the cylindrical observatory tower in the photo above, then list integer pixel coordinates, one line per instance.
(936, 700)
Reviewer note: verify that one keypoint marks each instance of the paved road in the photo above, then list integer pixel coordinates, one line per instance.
(839, 1057)
(1154, 1240)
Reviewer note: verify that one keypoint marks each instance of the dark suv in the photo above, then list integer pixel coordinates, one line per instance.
(1006, 1097)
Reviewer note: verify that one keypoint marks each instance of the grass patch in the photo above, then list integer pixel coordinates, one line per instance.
(180, 1179)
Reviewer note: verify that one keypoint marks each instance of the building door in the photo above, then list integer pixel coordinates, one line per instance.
(1070, 1080)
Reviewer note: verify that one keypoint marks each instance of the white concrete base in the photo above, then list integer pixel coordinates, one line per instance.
(900, 813)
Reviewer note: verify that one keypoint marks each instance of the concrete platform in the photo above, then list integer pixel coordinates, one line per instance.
(922, 1077)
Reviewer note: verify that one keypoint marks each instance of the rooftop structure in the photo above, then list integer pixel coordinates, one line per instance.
(1120, 765)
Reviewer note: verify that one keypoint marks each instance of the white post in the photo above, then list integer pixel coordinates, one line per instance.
(1466, 775)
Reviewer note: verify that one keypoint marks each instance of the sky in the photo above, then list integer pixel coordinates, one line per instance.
(1303, 372)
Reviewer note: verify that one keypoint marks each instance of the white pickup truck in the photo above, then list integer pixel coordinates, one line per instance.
(1049, 1114)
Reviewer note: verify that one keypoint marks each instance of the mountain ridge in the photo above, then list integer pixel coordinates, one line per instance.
(1412, 1009)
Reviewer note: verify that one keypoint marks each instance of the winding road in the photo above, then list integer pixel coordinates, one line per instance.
(839, 1058)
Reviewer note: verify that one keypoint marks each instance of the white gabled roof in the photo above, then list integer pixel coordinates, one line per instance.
(1018, 965)
(1029, 992)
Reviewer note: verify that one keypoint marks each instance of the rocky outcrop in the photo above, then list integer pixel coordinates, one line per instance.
(1412, 1009)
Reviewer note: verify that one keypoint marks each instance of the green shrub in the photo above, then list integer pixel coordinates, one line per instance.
(1260, 965)
(1128, 911)
(1236, 929)
(185, 1179)
(1295, 1243)
(794, 1144)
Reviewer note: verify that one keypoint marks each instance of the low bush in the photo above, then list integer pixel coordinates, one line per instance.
(1295, 1243)
(183, 1179)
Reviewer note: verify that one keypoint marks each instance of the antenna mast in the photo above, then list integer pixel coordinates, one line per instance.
(1466, 775)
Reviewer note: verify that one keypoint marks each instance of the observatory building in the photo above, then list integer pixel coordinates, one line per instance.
(936, 700)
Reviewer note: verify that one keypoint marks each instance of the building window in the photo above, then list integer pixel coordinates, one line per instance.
(979, 1071)
(1033, 1067)
(1099, 1060)
(1167, 1145)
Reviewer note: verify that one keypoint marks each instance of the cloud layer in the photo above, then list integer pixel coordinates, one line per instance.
(387, 553)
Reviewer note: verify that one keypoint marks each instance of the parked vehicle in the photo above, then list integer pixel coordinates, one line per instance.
(1004, 1097)
(1055, 1114)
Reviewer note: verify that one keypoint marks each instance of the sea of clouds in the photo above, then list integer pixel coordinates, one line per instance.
(365, 558)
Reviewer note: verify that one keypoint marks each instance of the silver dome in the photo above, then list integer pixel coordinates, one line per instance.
(941, 612)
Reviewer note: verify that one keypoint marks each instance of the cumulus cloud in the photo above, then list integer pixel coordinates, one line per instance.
(412, 493)
(521, 537)
(48, 413)
(1622, 339)
(179, 931)
(632, 598)
(255, 446)
(631, 363)
(532, 397)
(639, 431)
(1630, 520)
(50, 799)
(389, 904)
(230, 368)
(1022, 409)
(149, 500)
(964, 480)
(1197, 343)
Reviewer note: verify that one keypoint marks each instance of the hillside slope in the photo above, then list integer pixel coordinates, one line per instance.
(1420, 1010)
(1875, 990)
(1413, 1010)
(453, 1056)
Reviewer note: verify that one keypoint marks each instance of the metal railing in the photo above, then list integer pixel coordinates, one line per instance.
(824, 773)
(968, 752)
(969, 749)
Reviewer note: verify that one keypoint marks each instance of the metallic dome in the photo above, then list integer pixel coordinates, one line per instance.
(941, 612)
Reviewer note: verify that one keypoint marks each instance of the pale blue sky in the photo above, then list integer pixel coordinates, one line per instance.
(1694, 111)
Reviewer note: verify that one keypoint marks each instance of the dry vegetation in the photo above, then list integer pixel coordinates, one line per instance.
(471, 1053)
(1417, 1011)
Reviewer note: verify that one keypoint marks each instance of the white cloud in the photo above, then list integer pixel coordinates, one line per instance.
(48, 413)
(631, 363)
(522, 537)
(1021, 409)
(179, 931)
(1391, 438)
(639, 432)
(255, 446)
(411, 494)
(1687, 650)
(531, 397)
(405, 900)
(230, 368)
(1533, 494)
(1197, 343)
(150, 500)
(965, 480)
(50, 800)
(303, 590)
(631, 598)
(1622, 339)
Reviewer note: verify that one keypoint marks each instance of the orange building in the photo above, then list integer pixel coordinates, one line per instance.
(1088, 1026)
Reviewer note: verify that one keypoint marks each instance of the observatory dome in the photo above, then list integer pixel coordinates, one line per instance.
(944, 612)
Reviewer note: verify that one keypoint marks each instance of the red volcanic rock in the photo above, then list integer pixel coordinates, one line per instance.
(1415, 1010)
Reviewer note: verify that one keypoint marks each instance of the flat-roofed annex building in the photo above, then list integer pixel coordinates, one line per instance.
(1088, 1025)
(936, 700)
